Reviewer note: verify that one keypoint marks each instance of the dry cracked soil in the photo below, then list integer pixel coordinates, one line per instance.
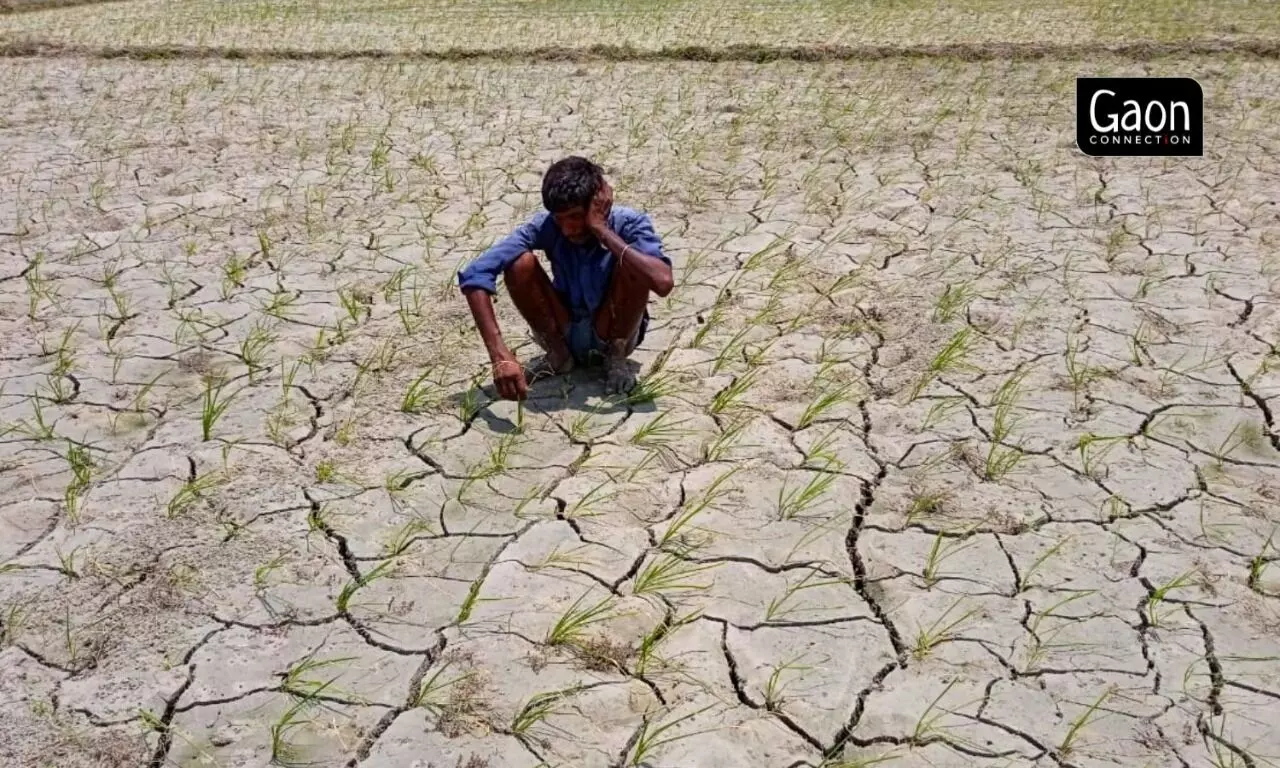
(953, 447)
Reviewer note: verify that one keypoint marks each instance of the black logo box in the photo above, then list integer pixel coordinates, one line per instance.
(1139, 116)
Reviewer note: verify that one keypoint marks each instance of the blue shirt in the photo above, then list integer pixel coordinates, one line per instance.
(580, 273)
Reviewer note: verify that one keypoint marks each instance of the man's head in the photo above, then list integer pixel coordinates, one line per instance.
(567, 189)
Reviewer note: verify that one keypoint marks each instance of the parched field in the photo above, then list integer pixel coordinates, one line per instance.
(510, 27)
(954, 447)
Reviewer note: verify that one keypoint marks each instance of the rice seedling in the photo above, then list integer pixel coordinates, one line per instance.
(954, 299)
(715, 448)
(821, 454)
(667, 573)
(950, 358)
(1259, 563)
(537, 708)
(410, 307)
(1091, 714)
(1003, 458)
(1038, 644)
(587, 504)
(81, 465)
(770, 314)
(658, 459)
(843, 283)
(356, 302)
(254, 348)
(713, 320)
(824, 402)
(1185, 580)
(471, 600)
(943, 629)
(296, 679)
(754, 355)
(280, 306)
(775, 687)
(139, 403)
(760, 258)
(381, 359)
(326, 471)
(944, 547)
(924, 502)
(422, 395)
(646, 655)
(1093, 449)
(213, 405)
(39, 430)
(1242, 434)
(788, 273)
(319, 349)
(192, 491)
(38, 285)
(681, 524)
(653, 737)
(579, 430)
(64, 353)
(284, 752)
(262, 573)
(730, 398)
(235, 269)
(652, 386)
(732, 349)
(693, 262)
(927, 725)
(659, 431)
(60, 389)
(383, 570)
(786, 604)
(572, 625)
(67, 562)
(863, 761)
(1079, 374)
(402, 538)
(427, 693)
(1223, 752)
(122, 303)
(799, 501)
(1026, 579)
(940, 411)
(471, 401)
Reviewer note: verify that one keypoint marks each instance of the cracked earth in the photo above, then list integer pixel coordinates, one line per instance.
(954, 447)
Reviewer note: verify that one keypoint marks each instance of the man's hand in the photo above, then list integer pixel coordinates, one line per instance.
(508, 377)
(598, 210)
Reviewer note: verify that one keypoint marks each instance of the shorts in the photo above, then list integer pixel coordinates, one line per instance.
(587, 347)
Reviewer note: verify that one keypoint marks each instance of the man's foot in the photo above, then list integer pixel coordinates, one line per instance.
(619, 373)
(545, 367)
(556, 361)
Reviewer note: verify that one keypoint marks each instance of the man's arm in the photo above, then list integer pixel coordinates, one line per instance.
(481, 304)
(642, 249)
(657, 271)
(478, 282)
(508, 376)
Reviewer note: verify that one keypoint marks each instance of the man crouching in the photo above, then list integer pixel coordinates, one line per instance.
(605, 261)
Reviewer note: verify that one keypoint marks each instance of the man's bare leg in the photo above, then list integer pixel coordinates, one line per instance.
(618, 320)
(539, 304)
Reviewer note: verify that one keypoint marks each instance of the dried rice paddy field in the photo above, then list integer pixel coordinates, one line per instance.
(954, 447)
(515, 27)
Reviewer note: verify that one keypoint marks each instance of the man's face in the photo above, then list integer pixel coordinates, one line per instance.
(572, 223)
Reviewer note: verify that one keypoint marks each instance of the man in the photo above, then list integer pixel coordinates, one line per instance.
(605, 262)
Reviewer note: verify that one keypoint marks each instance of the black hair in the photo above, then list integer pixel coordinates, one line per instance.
(570, 182)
